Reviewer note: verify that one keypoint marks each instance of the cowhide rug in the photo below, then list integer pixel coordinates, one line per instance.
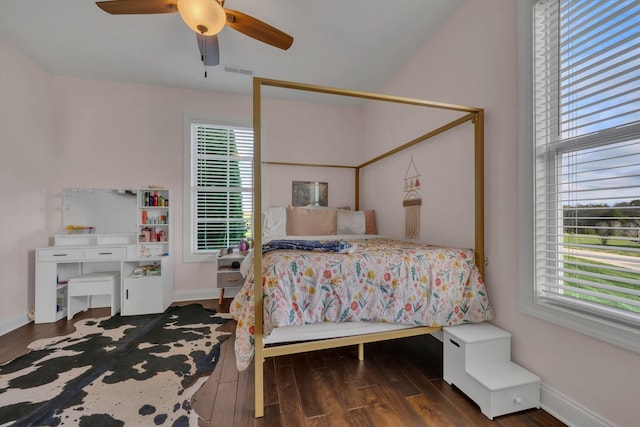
(133, 370)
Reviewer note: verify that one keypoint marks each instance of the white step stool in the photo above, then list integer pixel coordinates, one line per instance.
(477, 359)
(80, 289)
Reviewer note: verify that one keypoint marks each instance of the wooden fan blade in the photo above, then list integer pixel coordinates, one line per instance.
(135, 7)
(209, 49)
(257, 29)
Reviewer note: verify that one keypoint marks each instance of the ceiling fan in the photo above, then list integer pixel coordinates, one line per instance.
(206, 18)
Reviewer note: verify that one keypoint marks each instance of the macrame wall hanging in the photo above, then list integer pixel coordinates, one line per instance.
(412, 202)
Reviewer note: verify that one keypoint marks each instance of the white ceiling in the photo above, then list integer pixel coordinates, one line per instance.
(356, 44)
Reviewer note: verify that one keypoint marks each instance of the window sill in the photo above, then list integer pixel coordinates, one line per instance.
(618, 334)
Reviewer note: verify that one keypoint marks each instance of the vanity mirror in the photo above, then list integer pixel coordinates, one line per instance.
(108, 211)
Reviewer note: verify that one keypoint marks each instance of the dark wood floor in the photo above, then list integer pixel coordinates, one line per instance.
(399, 384)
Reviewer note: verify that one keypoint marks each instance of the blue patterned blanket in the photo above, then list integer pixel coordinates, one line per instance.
(306, 245)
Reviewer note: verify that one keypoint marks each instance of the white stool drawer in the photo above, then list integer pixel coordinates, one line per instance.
(90, 288)
(108, 253)
(60, 255)
(505, 388)
(515, 399)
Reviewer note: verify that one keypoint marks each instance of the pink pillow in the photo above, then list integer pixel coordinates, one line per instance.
(370, 222)
(311, 222)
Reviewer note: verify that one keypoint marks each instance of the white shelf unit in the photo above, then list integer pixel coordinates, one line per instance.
(154, 232)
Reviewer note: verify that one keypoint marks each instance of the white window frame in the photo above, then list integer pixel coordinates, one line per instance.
(617, 333)
(188, 255)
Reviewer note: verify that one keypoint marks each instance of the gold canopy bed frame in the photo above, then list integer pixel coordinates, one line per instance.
(471, 114)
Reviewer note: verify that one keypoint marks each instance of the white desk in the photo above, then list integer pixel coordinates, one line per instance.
(139, 295)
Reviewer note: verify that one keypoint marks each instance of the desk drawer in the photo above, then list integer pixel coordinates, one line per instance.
(104, 254)
(230, 279)
(60, 255)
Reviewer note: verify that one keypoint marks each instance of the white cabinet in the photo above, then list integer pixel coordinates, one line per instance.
(147, 286)
(78, 254)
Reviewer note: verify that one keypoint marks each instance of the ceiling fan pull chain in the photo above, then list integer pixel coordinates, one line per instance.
(203, 55)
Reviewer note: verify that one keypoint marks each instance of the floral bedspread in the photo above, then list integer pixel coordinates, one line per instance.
(381, 280)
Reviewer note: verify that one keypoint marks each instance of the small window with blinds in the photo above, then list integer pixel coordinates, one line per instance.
(587, 156)
(221, 186)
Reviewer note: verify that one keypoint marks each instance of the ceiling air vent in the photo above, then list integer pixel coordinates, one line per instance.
(237, 70)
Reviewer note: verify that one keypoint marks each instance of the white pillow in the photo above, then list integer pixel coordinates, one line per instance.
(351, 222)
(274, 222)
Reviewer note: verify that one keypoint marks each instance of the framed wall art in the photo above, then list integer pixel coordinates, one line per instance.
(306, 193)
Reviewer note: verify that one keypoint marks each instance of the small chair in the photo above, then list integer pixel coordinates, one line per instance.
(80, 289)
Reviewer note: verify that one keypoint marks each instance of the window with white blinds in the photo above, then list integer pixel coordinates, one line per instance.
(586, 72)
(221, 186)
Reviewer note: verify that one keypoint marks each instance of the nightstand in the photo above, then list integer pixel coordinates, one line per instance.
(229, 276)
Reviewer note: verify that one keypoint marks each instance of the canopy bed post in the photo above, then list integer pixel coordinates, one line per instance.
(257, 239)
(474, 115)
(478, 123)
(357, 170)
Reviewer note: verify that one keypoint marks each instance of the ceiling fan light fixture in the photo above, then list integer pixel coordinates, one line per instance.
(205, 17)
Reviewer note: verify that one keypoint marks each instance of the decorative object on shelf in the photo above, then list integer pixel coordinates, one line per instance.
(79, 229)
(146, 270)
(305, 193)
(412, 202)
(225, 252)
(243, 247)
(155, 199)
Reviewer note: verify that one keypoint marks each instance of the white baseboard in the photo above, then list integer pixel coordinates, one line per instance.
(8, 325)
(568, 411)
(12, 323)
(208, 293)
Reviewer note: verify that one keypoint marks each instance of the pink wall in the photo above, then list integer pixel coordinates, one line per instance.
(27, 164)
(472, 60)
(66, 132)
(311, 134)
